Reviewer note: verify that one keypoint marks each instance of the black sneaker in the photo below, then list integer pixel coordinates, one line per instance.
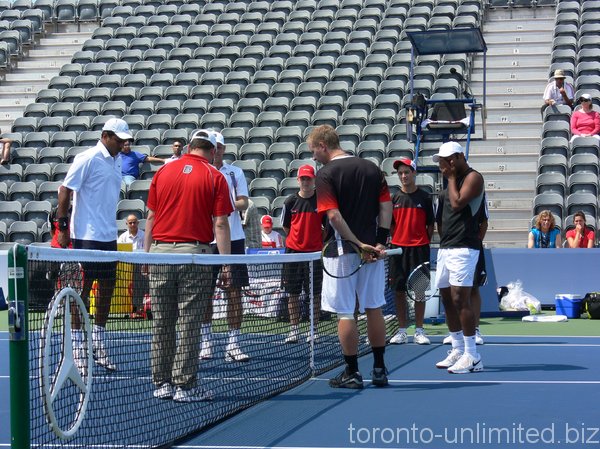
(379, 377)
(343, 380)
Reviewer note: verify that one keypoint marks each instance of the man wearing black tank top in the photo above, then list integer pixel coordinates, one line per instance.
(458, 255)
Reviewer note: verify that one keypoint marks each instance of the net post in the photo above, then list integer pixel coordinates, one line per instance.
(18, 347)
(311, 312)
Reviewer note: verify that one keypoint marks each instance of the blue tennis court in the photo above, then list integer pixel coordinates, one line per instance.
(535, 390)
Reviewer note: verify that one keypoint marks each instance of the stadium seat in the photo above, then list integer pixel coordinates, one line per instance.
(261, 187)
(276, 169)
(37, 211)
(549, 201)
(24, 156)
(23, 232)
(249, 167)
(127, 207)
(22, 191)
(555, 145)
(138, 190)
(585, 145)
(287, 186)
(10, 212)
(59, 172)
(51, 155)
(70, 155)
(48, 191)
(584, 201)
(583, 182)
(551, 182)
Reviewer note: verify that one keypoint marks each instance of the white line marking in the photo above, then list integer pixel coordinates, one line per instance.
(439, 381)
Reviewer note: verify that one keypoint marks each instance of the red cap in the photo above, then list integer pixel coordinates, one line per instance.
(266, 220)
(406, 162)
(306, 170)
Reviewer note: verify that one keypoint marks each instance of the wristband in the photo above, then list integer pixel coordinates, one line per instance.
(62, 223)
(382, 236)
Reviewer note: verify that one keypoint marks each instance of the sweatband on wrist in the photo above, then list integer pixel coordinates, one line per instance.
(382, 236)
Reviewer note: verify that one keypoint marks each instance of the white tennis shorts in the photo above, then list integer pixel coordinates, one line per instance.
(456, 267)
(368, 284)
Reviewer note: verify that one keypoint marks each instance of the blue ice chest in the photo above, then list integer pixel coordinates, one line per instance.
(568, 305)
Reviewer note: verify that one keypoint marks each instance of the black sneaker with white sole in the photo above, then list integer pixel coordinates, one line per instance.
(344, 380)
(379, 377)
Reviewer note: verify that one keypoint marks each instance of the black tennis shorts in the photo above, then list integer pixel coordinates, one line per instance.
(295, 276)
(401, 266)
(239, 272)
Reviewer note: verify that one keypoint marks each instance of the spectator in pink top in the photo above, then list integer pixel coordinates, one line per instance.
(585, 122)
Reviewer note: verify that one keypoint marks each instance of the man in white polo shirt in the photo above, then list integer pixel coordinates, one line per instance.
(94, 181)
(238, 191)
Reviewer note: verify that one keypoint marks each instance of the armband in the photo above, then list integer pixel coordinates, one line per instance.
(62, 223)
(382, 236)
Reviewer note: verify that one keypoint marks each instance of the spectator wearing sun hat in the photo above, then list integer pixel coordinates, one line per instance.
(558, 91)
(585, 122)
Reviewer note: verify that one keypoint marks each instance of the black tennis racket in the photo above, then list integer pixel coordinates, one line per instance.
(419, 287)
(343, 258)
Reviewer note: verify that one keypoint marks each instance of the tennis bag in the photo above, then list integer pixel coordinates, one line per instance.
(591, 304)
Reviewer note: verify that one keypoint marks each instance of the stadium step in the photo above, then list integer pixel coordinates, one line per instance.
(503, 195)
(511, 74)
(518, 37)
(510, 115)
(510, 86)
(512, 60)
(513, 101)
(501, 147)
(503, 238)
(509, 224)
(491, 162)
(509, 130)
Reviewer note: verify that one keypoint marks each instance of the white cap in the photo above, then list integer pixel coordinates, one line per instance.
(119, 127)
(210, 137)
(448, 149)
(218, 137)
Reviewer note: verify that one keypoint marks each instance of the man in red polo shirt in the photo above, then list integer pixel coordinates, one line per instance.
(186, 199)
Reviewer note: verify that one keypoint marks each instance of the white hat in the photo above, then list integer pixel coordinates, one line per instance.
(119, 127)
(218, 137)
(209, 137)
(448, 149)
(585, 96)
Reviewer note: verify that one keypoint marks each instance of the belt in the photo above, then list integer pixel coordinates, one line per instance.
(193, 242)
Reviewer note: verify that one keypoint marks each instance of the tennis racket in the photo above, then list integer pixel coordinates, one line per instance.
(343, 258)
(418, 285)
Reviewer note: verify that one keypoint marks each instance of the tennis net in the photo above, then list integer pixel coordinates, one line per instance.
(76, 401)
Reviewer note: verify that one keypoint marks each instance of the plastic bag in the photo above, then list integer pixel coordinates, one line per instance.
(518, 299)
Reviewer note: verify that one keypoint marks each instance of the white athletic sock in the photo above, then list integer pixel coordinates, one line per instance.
(206, 332)
(419, 330)
(234, 335)
(98, 333)
(458, 341)
(402, 330)
(77, 337)
(470, 346)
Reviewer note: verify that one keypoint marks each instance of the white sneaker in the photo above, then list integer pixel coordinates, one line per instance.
(233, 353)
(421, 338)
(447, 340)
(399, 339)
(206, 351)
(315, 337)
(197, 394)
(478, 337)
(452, 358)
(292, 337)
(467, 364)
(101, 357)
(165, 391)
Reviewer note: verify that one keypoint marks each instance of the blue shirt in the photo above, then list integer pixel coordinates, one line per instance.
(130, 163)
(545, 240)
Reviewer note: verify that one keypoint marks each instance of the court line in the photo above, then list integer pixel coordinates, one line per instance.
(440, 381)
